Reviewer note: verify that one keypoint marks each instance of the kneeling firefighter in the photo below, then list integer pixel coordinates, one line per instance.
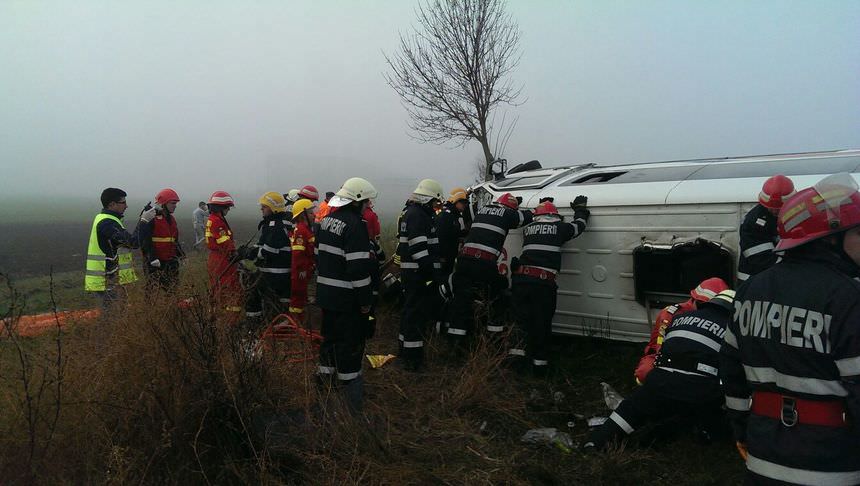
(420, 270)
(344, 288)
(685, 380)
(534, 287)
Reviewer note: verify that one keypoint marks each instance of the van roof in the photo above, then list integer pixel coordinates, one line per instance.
(682, 181)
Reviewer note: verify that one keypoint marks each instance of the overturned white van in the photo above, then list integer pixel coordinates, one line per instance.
(656, 229)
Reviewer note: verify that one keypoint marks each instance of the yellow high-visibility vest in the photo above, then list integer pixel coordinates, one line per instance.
(95, 279)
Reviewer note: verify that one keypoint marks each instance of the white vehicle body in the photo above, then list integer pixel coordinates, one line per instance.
(656, 229)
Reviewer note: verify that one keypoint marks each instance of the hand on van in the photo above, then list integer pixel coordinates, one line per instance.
(579, 202)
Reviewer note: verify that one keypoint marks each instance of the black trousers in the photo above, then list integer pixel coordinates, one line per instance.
(664, 394)
(269, 296)
(534, 306)
(342, 349)
(165, 277)
(420, 304)
(476, 279)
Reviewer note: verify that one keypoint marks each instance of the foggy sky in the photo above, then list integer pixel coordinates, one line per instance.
(254, 96)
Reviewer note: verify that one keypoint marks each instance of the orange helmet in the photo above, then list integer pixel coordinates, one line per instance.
(775, 191)
(829, 207)
(507, 199)
(708, 289)
(309, 192)
(221, 198)
(165, 196)
(546, 207)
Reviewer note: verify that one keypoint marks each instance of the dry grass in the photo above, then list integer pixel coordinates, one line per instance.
(158, 394)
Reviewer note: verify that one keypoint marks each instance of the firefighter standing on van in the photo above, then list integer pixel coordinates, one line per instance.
(270, 295)
(476, 270)
(685, 380)
(221, 265)
(344, 290)
(790, 364)
(703, 292)
(758, 235)
(303, 243)
(160, 242)
(534, 274)
(109, 260)
(420, 270)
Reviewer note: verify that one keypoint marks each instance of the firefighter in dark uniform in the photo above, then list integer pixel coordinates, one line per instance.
(273, 258)
(344, 289)
(534, 287)
(420, 270)
(160, 243)
(452, 230)
(758, 231)
(790, 364)
(685, 380)
(476, 273)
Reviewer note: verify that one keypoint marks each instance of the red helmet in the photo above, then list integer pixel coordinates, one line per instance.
(829, 207)
(708, 289)
(165, 196)
(775, 191)
(309, 192)
(546, 208)
(508, 199)
(221, 198)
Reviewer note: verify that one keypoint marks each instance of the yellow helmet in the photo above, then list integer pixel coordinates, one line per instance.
(301, 205)
(273, 201)
(457, 194)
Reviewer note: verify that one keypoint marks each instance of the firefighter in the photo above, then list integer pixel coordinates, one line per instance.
(308, 192)
(475, 271)
(221, 265)
(685, 380)
(420, 271)
(534, 274)
(291, 197)
(322, 212)
(344, 290)
(270, 294)
(758, 233)
(377, 253)
(303, 243)
(109, 260)
(703, 292)
(452, 231)
(160, 242)
(790, 365)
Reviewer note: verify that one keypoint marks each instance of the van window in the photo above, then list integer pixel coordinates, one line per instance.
(651, 174)
(520, 181)
(667, 274)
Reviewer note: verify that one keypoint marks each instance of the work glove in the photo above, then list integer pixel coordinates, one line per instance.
(579, 202)
(519, 199)
(155, 263)
(148, 215)
(446, 292)
(546, 199)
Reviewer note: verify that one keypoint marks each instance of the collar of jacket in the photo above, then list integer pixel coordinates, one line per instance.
(823, 253)
(112, 213)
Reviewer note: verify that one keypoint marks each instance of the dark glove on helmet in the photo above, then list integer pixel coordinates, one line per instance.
(546, 199)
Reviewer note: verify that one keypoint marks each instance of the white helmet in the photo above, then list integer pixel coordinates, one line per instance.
(354, 189)
(293, 195)
(429, 188)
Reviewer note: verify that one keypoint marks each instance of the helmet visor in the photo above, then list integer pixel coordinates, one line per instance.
(834, 192)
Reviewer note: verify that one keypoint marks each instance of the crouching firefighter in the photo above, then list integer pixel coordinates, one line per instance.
(703, 292)
(160, 242)
(476, 273)
(791, 359)
(685, 380)
(344, 290)
(534, 274)
(270, 295)
(303, 244)
(420, 270)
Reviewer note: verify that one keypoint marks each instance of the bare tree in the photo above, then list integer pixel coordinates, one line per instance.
(452, 71)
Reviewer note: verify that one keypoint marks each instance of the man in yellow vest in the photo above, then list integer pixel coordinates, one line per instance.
(109, 254)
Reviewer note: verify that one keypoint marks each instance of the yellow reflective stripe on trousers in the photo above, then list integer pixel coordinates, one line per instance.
(163, 239)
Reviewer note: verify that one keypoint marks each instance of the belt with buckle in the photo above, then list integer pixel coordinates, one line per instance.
(791, 411)
(479, 254)
(535, 272)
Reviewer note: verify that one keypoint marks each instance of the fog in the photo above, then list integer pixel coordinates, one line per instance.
(256, 96)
